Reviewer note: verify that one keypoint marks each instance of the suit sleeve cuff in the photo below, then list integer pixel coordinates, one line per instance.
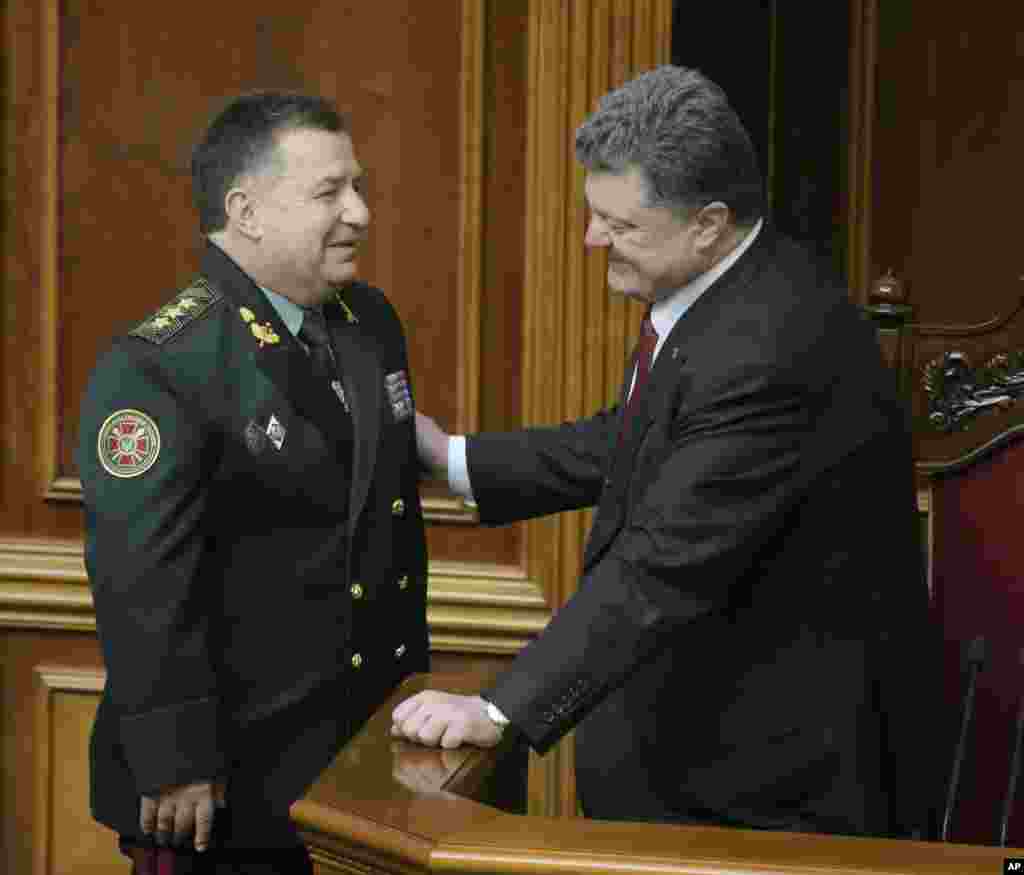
(176, 745)
(458, 469)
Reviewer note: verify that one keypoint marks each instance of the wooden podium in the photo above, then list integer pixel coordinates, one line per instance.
(393, 807)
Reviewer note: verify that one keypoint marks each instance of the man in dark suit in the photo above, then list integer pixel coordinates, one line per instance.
(254, 537)
(743, 646)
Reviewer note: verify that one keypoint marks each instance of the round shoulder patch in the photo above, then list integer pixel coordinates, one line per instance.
(128, 444)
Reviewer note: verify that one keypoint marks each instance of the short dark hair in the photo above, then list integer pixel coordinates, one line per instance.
(242, 138)
(677, 128)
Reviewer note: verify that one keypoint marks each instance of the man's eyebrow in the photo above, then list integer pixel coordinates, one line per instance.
(609, 217)
(337, 179)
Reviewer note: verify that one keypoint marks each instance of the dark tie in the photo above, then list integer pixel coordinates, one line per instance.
(313, 333)
(644, 354)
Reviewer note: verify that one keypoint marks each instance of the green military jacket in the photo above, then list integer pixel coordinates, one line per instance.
(254, 540)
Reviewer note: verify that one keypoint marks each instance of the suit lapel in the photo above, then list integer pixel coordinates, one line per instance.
(363, 380)
(699, 321)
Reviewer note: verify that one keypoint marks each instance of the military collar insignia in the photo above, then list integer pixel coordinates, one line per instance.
(349, 315)
(264, 333)
(187, 306)
(255, 437)
(128, 443)
(276, 432)
(339, 390)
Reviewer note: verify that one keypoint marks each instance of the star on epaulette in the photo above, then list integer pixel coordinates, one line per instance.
(187, 306)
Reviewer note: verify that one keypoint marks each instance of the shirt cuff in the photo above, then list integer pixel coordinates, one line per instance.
(458, 469)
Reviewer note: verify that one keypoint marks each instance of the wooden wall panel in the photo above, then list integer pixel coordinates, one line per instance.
(946, 179)
(67, 840)
(24, 736)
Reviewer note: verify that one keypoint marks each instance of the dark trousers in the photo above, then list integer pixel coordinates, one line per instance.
(147, 859)
(246, 840)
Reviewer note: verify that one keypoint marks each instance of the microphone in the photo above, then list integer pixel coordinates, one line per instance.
(976, 655)
(1011, 787)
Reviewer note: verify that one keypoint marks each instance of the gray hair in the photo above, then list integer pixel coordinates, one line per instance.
(677, 128)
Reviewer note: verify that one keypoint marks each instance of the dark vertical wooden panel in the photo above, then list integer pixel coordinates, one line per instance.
(505, 202)
(947, 152)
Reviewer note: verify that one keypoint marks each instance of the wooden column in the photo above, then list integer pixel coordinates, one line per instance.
(576, 338)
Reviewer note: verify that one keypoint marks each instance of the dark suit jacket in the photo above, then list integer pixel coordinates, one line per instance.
(743, 646)
(236, 642)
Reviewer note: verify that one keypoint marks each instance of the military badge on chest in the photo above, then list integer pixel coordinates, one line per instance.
(397, 386)
(257, 436)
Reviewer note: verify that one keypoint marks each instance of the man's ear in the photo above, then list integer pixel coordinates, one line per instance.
(241, 211)
(713, 223)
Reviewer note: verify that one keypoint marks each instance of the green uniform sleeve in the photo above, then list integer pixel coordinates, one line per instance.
(145, 494)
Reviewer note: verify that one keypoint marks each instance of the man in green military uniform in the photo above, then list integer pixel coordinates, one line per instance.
(254, 536)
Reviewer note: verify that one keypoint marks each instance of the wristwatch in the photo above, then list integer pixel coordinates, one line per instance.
(494, 714)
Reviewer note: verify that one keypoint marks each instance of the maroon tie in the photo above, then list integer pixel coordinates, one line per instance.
(644, 353)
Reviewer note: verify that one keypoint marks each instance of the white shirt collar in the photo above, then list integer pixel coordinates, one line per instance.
(668, 311)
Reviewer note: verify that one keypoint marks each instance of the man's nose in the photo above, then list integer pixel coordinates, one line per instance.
(354, 210)
(597, 234)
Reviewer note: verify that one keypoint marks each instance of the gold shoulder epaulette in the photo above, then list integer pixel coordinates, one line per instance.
(187, 306)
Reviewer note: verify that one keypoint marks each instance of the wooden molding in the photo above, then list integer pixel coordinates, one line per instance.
(471, 607)
(43, 585)
(478, 608)
(51, 680)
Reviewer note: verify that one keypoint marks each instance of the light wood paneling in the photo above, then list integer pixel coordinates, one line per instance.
(67, 840)
(29, 747)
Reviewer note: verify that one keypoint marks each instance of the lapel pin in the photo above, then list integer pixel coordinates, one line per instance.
(255, 439)
(246, 314)
(340, 392)
(675, 352)
(276, 432)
